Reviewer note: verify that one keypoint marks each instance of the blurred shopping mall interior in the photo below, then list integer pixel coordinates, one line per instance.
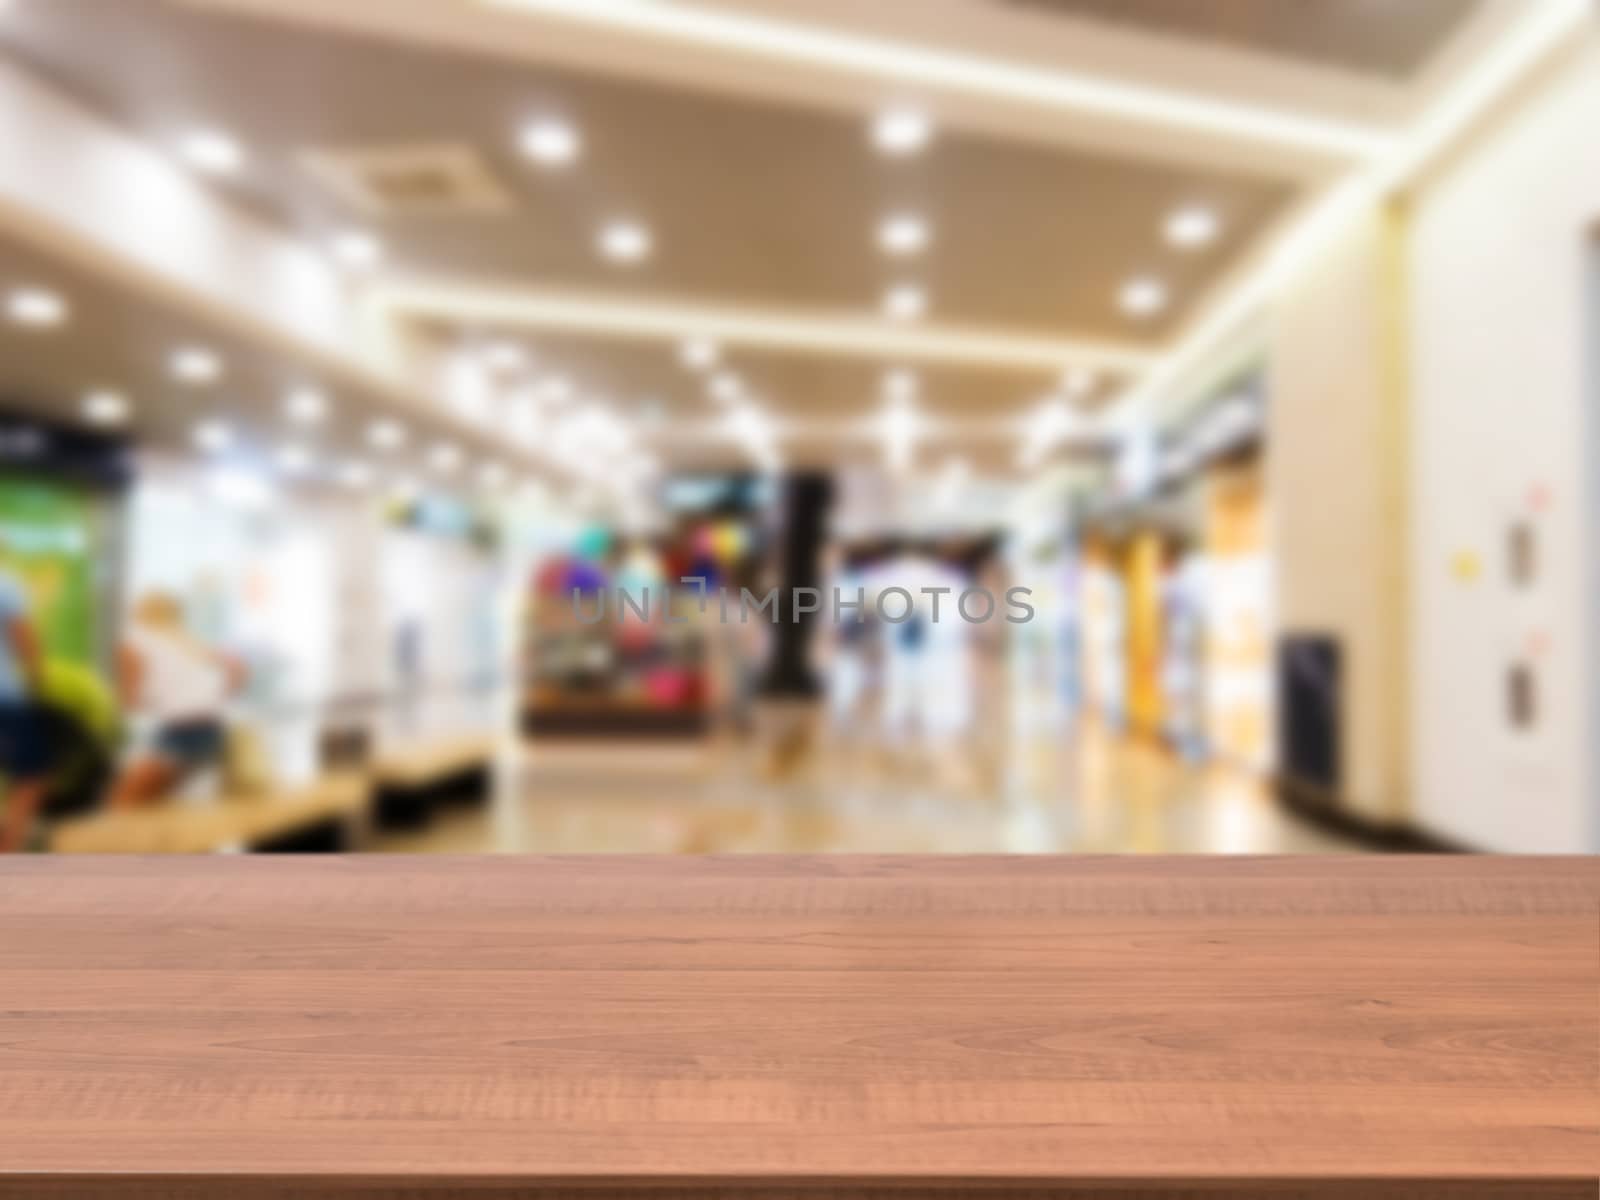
(554, 425)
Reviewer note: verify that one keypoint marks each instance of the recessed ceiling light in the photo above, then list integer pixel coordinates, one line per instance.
(905, 302)
(37, 308)
(386, 435)
(1143, 297)
(194, 365)
(1077, 381)
(522, 422)
(699, 353)
(903, 234)
(212, 151)
(105, 407)
(556, 389)
(306, 406)
(625, 241)
(1192, 227)
(726, 387)
(551, 143)
(294, 460)
(444, 457)
(357, 249)
(213, 436)
(355, 474)
(901, 131)
(504, 357)
(900, 384)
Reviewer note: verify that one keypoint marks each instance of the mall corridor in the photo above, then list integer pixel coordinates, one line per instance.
(733, 426)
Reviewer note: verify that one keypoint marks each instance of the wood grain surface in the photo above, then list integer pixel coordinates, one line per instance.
(799, 1027)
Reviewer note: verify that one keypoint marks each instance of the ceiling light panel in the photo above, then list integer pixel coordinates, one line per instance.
(625, 242)
(212, 151)
(306, 406)
(699, 354)
(1192, 228)
(386, 435)
(902, 132)
(213, 436)
(106, 408)
(196, 366)
(36, 308)
(357, 250)
(1143, 297)
(903, 234)
(551, 142)
(905, 302)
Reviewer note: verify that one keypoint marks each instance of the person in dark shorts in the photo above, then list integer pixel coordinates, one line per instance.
(24, 747)
(179, 687)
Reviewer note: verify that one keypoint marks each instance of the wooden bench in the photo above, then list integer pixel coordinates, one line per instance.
(402, 789)
(329, 813)
(410, 782)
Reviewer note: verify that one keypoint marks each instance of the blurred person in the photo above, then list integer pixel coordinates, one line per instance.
(989, 644)
(927, 675)
(903, 637)
(847, 666)
(751, 647)
(178, 687)
(947, 703)
(24, 749)
(1183, 645)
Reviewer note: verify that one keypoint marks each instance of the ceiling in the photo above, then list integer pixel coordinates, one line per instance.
(826, 386)
(1389, 38)
(647, 378)
(119, 340)
(763, 205)
(755, 203)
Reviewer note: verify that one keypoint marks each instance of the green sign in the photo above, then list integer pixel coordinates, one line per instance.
(49, 539)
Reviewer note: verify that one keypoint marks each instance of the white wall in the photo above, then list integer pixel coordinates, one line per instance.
(1502, 412)
(1333, 472)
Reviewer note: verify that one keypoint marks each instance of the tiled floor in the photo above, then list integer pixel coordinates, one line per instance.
(1036, 790)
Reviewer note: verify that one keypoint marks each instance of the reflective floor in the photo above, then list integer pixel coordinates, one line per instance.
(796, 786)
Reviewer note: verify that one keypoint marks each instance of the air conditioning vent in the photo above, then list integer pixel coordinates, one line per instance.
(410, 181)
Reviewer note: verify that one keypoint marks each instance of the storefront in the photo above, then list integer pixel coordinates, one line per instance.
(255, 568)
(1176, 593)
(1238, 614)
(61, 502)
(1221, 590)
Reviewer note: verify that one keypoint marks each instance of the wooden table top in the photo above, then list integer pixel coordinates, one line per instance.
(771, 1022)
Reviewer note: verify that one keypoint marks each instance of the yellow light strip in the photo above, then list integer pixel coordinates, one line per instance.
(964, 431)
(880, 58)
(865, 336)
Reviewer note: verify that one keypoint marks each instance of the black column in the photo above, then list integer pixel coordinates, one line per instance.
(806, 498)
